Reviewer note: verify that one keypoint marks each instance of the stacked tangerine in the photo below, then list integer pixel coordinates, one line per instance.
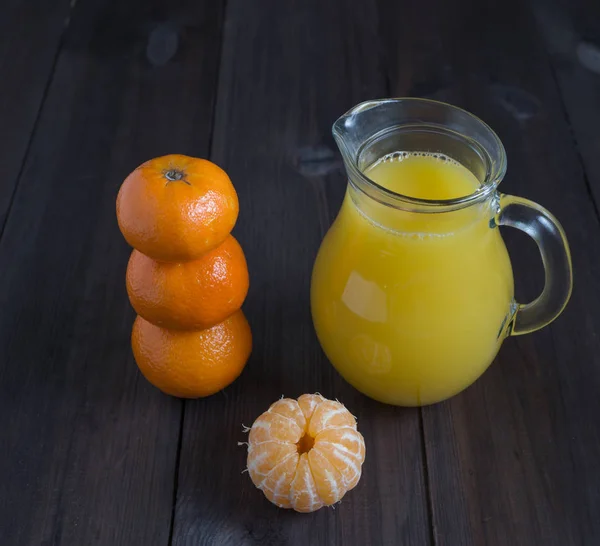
(187, 277)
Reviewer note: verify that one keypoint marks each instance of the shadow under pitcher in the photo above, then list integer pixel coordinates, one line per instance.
(412, 290)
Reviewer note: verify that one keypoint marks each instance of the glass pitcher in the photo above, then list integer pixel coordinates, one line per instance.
(411, 298)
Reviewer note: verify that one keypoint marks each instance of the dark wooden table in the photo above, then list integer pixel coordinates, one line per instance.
(91, 454)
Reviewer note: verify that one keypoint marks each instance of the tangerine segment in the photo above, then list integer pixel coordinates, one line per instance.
(305, 454)
(191, 295)
(303, 492)
(345, 449)
(192, 364)
(328, 479)
(278, 483)
(265, 456)
(274, 427)
(308, 403)
(176, 208)
(289, 408)
(330, 414)
(348, 439)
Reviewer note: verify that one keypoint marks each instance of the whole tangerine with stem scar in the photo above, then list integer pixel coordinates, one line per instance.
(176, 208)
(305, 454)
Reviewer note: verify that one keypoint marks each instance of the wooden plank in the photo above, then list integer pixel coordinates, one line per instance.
(572, 36)
(513, 459)
(88, 450)
(288, 71)
(28, 48)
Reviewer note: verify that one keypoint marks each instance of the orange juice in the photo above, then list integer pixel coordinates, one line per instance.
(412, 308)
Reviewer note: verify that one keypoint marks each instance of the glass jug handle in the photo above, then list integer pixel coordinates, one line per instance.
(551, 240)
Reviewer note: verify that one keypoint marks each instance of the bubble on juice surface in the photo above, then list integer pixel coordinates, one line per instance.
(402, 156)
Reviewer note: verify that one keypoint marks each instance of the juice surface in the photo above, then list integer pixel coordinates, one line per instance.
(411, 308)
(423, 175)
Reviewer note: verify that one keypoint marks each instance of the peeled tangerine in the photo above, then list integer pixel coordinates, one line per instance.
(305, 454)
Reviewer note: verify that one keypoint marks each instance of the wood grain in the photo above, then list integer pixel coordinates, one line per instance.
(31, 31)
(514, 459)
(88, 449)
(571, 34)
(288, 71)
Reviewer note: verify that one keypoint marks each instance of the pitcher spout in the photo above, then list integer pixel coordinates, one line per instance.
(359, 124)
